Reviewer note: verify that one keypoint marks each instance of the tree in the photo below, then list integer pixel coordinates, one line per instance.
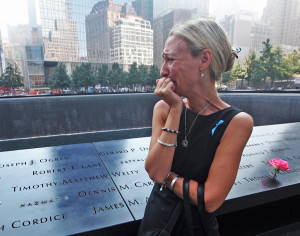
(143, 74)
(59, 78)
(153, 75)
(292, 62)
(83, 76)
(238, 72)
(102, 74)
(268, 62)
(114, 76)
(250, 65)
(133, 75)
(227, 77)
(278, 71)
(11, 77)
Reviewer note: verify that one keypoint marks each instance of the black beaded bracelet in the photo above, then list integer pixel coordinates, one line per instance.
(170, 130)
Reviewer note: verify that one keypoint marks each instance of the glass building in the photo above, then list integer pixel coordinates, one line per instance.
(64, 30)
(60, 30)
(27, 46)
(116, 34)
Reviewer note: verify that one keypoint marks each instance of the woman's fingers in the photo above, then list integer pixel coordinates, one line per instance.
(165, 87)
(163, 82)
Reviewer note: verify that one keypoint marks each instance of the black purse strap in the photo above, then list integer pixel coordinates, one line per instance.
(201, 206)
(174, 217)
(187, 206)
(200, 196)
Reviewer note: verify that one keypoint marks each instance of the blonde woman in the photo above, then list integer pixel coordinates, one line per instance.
(197, 142)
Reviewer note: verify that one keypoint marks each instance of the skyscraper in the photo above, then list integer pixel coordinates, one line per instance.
(163, 7)
(59, 31)
(144, 8)
(283, 16)
(26, 45)
(64, 30)
(31, 12)
(116, 34)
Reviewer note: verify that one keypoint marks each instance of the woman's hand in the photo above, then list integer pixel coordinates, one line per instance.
(165, 90)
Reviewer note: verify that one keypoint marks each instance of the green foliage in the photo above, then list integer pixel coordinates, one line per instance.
(250, 65)
(134, 75)
(115, 76)
(143, 74)
(269, 62)
(292, 61)
(271, 65)
(238, 72)
(227, 77)
(11, 77)
(83, 76)
(102, 75)
(153, 75)
(59, 78)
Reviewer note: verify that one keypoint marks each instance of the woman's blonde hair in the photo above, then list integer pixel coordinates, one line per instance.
(207, 34)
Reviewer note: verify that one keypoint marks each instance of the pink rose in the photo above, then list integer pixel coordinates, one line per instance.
(279, 164)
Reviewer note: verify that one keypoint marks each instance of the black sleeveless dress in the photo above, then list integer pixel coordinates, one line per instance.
(192, 162)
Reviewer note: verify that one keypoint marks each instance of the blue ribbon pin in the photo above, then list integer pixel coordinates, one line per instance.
(219, 123)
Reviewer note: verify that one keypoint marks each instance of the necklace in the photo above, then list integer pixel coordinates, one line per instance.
(185, 142)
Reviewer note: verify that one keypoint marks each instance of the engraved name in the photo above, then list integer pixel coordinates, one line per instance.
(256, 178)
(45, 160)
(87, 166)
(137, 185)
(143, 184)
(83, 179)
(255, 153)
(248, 166)
(42, 202)
(254, 144)
(132, 161)
(93, 192)
(136, 202)
(108, 207)
(123, 151)
(42, 172)
(122, 173)
(15, 164)
(113, 152)
(33, 187)
(18, 223)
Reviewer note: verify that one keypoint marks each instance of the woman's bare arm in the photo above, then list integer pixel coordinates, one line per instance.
(159, 159)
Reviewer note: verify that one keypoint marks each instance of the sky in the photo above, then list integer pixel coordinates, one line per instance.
(220, 8)
(15, 11)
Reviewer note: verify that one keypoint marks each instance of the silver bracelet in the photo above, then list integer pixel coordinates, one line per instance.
(166, 144)
(173, 182)
(163, 184)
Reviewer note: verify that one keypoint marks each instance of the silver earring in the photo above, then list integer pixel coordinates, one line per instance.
(202, 75)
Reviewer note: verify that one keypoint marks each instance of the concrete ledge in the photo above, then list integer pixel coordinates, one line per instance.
(65, 139)
(59, 115)
(43, 116)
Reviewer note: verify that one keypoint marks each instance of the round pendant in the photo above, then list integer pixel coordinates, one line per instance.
(184, 143)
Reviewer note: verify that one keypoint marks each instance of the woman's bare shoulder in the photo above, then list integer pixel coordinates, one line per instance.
(240, 125)
(243, 120)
